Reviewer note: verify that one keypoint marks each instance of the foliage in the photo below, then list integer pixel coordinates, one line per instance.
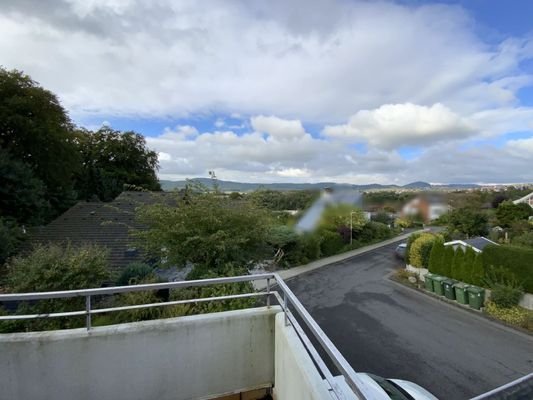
(51, 268)
(458, 264)
(336, 216)
(373, 231)
(523, 240)
(281, 236)
(387, 198)
(36, 131)
(307, 249)
(420, 250)
(111, 159)
(468, 265)
(468, 222)
(436, 257)
(382, 217)
(478, 271)
(505, 296)
(516, 315)
(135, 273)
(11, 236)
(508, 212)
(283, 200)
(331, 243)
(446, 268)
(402, 222)
(22, 195)
(54, 267)
(516, 260)
(204, 229)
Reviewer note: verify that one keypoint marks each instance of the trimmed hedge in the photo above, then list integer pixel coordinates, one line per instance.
(517, 260)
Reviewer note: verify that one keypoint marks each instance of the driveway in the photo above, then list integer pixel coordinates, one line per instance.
(384, 328)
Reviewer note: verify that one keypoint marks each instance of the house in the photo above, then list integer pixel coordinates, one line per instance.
(476, 243)
(528, 199)
(428, 207)
(103, 224)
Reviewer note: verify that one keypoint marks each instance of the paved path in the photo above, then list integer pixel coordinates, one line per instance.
(387, 329)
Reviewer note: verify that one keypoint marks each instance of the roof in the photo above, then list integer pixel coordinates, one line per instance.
(477, 243)
(103, 224)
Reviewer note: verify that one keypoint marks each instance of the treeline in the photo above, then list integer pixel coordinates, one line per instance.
(47, 163)
(283, 200)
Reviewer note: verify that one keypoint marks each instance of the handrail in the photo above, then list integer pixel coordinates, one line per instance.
(287, 301)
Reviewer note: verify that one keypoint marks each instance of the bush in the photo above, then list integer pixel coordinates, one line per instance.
(331, 243)
(134, 273)
(307, 249)
(420, 250)
(516, 260)
(505, 296)
(373, 231)
(516, 316)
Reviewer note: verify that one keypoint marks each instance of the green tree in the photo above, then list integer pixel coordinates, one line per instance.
(449, 254)
(11, 235)
(22, 195)
(342, 215)
(508, 212)
(436, 257)
(205, 229)
(467, 222)
(456, 271)
(478, 272)
(112, 159)
(36, 131)
(468, 264)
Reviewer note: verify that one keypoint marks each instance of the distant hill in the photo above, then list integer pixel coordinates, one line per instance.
(229, 186)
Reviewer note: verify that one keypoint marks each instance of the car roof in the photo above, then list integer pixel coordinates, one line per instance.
(417, 392)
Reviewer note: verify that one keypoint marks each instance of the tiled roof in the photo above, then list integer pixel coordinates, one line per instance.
(103, 224)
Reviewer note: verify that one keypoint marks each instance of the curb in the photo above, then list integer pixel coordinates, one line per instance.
(289, 273)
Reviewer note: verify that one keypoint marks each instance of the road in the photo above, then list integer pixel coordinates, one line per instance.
(386, 329)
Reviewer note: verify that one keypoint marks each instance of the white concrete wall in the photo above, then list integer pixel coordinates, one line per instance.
(296, 377)
(181, 358)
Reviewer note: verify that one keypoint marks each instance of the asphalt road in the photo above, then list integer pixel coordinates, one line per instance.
(386, 329)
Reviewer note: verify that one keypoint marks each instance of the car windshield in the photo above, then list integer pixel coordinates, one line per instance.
(392, 390)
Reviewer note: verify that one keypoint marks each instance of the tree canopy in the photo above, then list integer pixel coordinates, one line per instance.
(467, 222)
(508, 212)
(110, 159)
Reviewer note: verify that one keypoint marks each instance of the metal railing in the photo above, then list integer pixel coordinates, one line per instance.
(291, 306)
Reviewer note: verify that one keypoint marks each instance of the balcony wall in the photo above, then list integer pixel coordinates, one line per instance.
(182, 358)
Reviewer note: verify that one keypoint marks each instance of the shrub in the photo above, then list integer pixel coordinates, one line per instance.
(306, 249)
(372, 231)
(447, 261)
(436, 257)
(505, 296)
(331, 243)
(134, 273)
(420, 250)
(517, 260)
(477, 273)
(457, 264)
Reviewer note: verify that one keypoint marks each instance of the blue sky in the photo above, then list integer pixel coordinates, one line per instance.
(349, 91)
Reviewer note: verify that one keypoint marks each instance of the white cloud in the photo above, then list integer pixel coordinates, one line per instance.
(277, 127)
(318, 61)
(394, 125)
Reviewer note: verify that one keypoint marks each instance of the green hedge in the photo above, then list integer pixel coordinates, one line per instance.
(517, 260)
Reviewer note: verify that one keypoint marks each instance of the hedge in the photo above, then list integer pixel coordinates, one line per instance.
(517, 260)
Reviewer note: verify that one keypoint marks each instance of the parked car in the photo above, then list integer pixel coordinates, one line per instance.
(395, 389)
(400, 250)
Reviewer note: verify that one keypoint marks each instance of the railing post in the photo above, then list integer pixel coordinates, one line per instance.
(285, 308)
(88, 311)
(268, 292)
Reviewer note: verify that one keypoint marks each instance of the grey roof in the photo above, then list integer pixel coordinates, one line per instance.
(479, 242)
(103, 224)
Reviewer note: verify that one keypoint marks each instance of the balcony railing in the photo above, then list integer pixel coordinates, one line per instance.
(276, 290)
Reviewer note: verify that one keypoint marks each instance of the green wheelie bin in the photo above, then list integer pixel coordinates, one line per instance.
(437, 285)
(428, 281)
(448, 288)
(476, 297)
(460, 292)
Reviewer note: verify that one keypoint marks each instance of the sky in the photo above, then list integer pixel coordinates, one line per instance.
(301, 91)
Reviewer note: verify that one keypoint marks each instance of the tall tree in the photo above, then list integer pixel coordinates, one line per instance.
(112, 159)
(436, 257)
(36, 130)
(449, 254)
(467, 222)
(508, 213)
(457, 264)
